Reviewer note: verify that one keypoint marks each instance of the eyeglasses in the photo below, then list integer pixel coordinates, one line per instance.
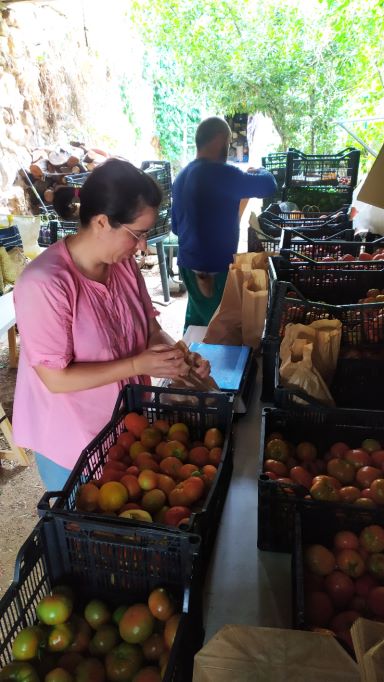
(138, 236)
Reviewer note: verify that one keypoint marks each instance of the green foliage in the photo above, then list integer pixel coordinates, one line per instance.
(126, 95)
(175, 108)
(304, 64)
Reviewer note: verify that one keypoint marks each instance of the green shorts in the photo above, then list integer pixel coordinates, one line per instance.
(201, 306)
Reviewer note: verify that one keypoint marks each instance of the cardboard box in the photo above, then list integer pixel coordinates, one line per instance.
(368, 642)
(372, 191)
(240, 653)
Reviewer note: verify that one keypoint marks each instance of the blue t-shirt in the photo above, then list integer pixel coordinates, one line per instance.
(205, 211)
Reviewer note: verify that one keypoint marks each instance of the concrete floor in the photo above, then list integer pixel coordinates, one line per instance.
(245, 586)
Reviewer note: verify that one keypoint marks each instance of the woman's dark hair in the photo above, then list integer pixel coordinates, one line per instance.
(116, 189)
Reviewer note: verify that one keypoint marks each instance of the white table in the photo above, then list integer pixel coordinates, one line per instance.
(8, 325)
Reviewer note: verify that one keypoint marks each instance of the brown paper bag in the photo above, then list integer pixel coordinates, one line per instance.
(191, 381)
(254, 308)
(255, 261)
(226, 325)
(240, 653)
(325, 335)
(298, 371)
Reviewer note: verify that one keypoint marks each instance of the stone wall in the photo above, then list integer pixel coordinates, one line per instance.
(62, 66)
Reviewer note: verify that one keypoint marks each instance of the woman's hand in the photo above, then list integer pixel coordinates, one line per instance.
(161, 361)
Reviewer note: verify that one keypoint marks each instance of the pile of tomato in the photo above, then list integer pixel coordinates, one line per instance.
(341, 474)
(345, 581)
(154, 473)
(99, 644)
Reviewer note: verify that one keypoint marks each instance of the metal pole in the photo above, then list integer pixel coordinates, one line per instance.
(358, 139)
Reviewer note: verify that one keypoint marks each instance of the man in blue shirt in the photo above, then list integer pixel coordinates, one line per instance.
(205, 217)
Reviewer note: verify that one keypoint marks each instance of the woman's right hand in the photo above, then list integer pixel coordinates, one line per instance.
(161, 361)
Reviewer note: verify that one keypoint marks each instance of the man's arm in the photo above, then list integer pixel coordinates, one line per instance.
(239, 184)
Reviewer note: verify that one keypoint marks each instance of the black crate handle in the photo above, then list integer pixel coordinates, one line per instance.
(44, 503)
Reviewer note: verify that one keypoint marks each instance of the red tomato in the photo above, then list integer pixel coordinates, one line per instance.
(338, 449)
(343, 621)
(318, 608)
(342, 470)
(301, 476)
(378, 459)
(329, 479)
(270, 475)
(340, 588)
(349, 493)
(358, 604)
(345, 539)
(366, 492)
(359, 458)
(324, 489)
(377, 490)
(306, 452)
(319, 560)
(365, 502)
(366, 475)
(350, 562)
(372, 538)
(277, 467)
(365, 584)
(376, 601)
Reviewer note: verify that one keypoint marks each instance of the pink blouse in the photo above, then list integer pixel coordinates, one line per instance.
(65, 317)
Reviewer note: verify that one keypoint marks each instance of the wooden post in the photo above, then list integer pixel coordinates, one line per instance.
(12, 347)
(15, 453)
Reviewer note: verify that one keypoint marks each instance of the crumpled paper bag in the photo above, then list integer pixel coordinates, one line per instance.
(191, 381)
(325, 336)
(240, 653)
(297, 370)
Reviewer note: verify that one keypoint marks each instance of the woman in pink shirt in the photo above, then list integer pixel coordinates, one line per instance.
(87, 325)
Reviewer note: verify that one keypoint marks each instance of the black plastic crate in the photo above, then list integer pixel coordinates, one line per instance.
(270, 347)
(341, 243)
(100, 560)
(363, 323)
(208, 411)
(76, 180)
(361, 362)
(54, 229)
(323, 170)
(275, 163)
(317, 526)
(277, 502)
(312, 224)
(160, 171)
(321, 199)
(337, 283)
(291, 242)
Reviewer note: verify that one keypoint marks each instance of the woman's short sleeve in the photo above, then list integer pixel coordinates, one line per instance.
(44, 318)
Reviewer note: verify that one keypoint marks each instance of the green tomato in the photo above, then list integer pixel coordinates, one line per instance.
(54, 609)
(18, 672)
(26, 644)
(123, 662)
